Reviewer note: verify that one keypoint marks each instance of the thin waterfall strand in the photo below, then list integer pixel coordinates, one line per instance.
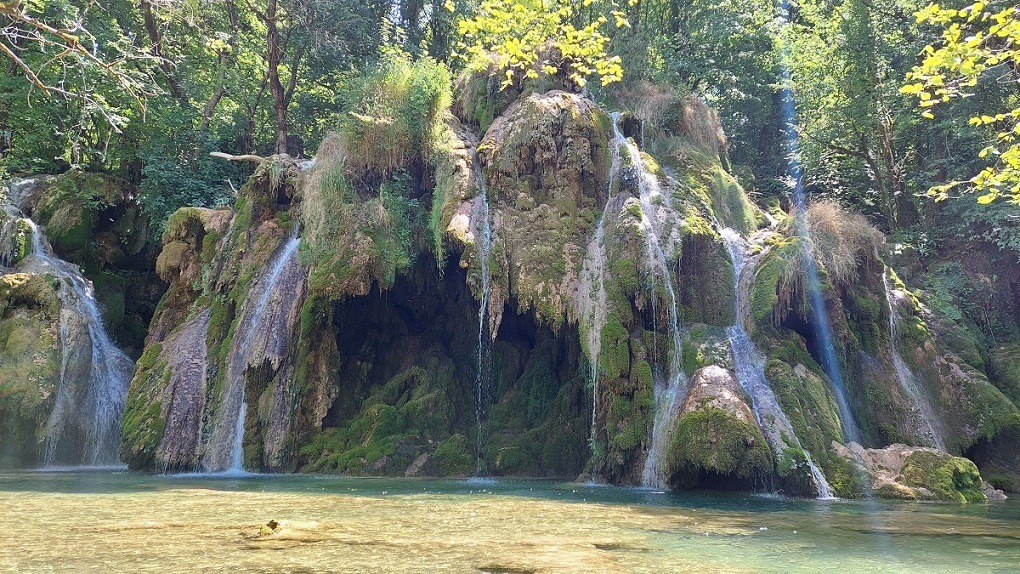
(750, 364)
(260, 337)
(908, 382)
(483, 238)
(592, 300)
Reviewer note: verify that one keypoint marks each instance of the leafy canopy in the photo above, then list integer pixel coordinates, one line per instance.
(980, 46)
(531, 38)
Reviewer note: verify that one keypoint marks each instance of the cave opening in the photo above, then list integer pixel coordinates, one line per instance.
(408, 386)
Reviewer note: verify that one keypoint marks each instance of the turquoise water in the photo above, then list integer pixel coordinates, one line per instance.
(115, 521)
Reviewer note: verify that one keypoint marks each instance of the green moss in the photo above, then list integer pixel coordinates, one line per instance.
(843, 475)
(704, 345)
(453, 457)
(865, 315)
(625, 274)
(30, 364)
(143, 423)
(805, 398)
(771, 286)
(792, 459)
(615, 357)
(950, 478)
(1004, 370)
(713, 440)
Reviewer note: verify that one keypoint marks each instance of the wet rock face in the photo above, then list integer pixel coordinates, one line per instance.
(717, 442)
(546, 163)
(29, 364)
(407, 396)
(95, 221)
(917, 473)
(216, 262)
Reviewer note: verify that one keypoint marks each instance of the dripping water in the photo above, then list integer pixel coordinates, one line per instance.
(592, 299)
(908, 382)
(750, 364)
(483, 238)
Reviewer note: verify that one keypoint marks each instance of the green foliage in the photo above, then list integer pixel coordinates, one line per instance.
(178, 171)
(980, 45)
(52, 48)
(531, 39)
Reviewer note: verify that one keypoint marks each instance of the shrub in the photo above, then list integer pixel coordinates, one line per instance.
(842, 239)
(395, 114)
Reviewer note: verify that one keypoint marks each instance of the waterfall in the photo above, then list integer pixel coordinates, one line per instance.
(263, 334)
(820, 319)
(84, 426)
(925, 416)
(750, 364)
(592, 301)
(483, 236)
(669, 394)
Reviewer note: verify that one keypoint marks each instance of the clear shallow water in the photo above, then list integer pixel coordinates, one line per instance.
(77, 521)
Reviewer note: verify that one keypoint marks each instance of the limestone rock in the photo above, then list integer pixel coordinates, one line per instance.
(717, 436)
(919, 473)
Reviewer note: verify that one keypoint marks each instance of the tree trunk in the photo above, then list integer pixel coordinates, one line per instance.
(275, 87)
(156, 39)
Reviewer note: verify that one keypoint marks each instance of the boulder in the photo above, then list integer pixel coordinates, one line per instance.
(918, 473)
(717, 439)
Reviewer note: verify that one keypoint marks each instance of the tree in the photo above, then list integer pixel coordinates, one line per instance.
(979, 48)
(56, 51)
(533, 38)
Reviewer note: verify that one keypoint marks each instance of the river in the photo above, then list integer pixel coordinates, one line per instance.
(117, 521)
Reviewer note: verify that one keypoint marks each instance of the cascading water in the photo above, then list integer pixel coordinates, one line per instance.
(482, 225)
(84, 426)
(922, 411)
(592, 300)
(750, 365)
(823, 331)
(262, 334)
(820, 319)
(669, 394)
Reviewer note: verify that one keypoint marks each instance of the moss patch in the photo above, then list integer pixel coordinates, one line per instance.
(950, 478)
(715, 441)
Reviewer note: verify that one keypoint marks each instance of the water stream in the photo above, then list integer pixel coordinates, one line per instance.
(483, 236)
(750, 364)
(262, 335)
(671, 389)
(922, 413)
(84, 426)
(592, 300)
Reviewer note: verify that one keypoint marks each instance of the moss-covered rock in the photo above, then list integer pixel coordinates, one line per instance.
(1004, 370)
(949, 478)
(717, 438)
(30, 364)
(546, 173)
(903, 472)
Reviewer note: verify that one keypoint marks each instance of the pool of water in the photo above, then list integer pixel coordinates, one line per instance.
(116, 521)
